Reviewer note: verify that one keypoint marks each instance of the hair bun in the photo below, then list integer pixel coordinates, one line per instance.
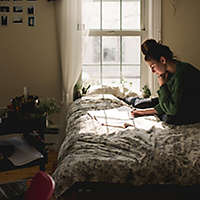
(149, 45)
(154, 50)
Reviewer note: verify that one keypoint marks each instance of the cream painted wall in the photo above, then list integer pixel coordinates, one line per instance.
(181, 30)
(28, 55)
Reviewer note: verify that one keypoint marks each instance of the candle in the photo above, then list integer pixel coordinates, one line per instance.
(25, 92)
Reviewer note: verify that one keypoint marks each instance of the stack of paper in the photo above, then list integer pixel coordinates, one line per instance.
(24, 153)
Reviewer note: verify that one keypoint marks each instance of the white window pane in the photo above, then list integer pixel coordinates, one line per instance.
(111, 14)
(131, 76)
(111, 50)
(133, 84)
(110, 74)
(130, 72)
(91, 73)
(131, 50)
(91, 54)
(91, 14)
(131, 14)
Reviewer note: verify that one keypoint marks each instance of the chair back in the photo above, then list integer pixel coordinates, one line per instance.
(41, 187)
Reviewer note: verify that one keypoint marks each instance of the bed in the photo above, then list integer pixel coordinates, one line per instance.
(150, 153)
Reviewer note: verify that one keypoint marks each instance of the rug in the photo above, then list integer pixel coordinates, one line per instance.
(12, 190)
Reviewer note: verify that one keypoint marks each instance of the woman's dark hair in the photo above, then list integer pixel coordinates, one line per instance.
(154, 50)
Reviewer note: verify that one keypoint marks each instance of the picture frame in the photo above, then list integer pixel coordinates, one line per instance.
(31, 10)
(17, 9)
(4, 20)
(31, 21)
(17, 19)
(4, 9)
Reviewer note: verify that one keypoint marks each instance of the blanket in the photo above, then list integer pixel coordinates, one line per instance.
(152, 152)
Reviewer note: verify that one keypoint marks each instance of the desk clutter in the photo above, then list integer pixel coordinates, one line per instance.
(24, 113)
(27, 113)
(25, 117)
(22, 149)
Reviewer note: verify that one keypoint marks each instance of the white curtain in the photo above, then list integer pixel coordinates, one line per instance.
(68, 19)
(71, 33)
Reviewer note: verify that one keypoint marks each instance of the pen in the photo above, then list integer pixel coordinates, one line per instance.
(132, 116)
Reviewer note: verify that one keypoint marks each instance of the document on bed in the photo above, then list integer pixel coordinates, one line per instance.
(116, 117)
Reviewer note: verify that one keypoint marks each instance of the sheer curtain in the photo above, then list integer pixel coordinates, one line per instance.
(68, 16)
(71, 34)
(72, 20)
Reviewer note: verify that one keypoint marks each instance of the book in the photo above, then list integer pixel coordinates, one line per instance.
(117, 117)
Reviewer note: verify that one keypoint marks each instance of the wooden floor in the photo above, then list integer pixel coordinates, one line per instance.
(28, 173)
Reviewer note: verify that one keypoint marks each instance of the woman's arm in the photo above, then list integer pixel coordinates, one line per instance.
(170, 95)
(139, 113)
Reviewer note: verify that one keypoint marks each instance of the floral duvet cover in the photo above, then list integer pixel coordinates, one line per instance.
(149, 153)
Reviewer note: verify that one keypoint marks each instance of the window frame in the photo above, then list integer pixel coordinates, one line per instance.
(150, 28)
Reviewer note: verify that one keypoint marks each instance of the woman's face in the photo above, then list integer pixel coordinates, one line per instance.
(156, 67)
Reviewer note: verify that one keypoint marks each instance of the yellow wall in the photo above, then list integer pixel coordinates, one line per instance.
(28, 55)
(181, 30)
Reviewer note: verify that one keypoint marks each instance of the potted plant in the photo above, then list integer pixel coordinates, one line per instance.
(28, 112)
(146, 93)
(48, 107)
(80, 90)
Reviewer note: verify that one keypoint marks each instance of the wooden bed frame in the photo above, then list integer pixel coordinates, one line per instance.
(102, 191)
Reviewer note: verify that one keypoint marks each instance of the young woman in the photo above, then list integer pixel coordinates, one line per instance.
(179, 92)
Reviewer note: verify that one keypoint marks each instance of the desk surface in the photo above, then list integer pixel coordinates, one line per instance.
(6, 165)
(24, 155)
(10, 130)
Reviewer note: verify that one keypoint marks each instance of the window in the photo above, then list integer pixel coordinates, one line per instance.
(112, 53)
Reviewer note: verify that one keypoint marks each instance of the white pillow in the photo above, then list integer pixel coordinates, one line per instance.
(116, 90)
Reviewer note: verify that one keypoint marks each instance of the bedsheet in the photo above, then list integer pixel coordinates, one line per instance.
(152, 152)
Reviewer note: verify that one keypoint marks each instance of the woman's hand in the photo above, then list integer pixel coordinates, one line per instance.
(140, 113)
(162, 78)
(137, 113)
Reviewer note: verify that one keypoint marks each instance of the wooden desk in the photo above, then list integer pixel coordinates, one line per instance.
(11, 173)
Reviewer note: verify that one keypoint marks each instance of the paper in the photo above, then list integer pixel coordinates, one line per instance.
(24, 153)
(116, 117)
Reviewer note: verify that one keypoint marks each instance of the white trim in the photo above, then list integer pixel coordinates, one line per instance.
(115, 33)
(153, 24)
(154, 32)
(155, 19)
(145, 30)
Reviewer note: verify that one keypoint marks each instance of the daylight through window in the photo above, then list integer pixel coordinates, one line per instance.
(112, 53)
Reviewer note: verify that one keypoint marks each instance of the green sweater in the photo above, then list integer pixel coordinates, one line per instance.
(180, 94)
